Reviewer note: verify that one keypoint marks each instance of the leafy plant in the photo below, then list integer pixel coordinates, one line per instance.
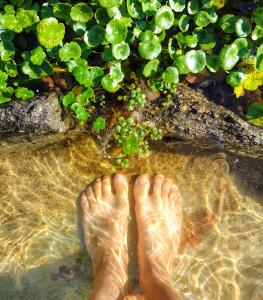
(108, 46)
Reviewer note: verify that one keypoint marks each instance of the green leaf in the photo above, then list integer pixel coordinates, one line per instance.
(130, 145)
(184, 23)
(195, 60)
(229, 56)
(255, 110)
(134, 9)
(101, 16)
(121, 51)
(70, 51)
(11, 69)
(202, 19)
(227, 23)
(109, 84)
(213, 63)
(245, 47)
(177, 5)
(50, 33)
(243, 27)
(206, 39)
(236, 78)
(150, 50)
(68, 99)
(116, 72)
(37, 56)
(151, 67)
(180, 62)
(258, 16)
(191, 41)
(193, 7)
(95, 36)
(116, 31)
(81, 114)
(110, 4)
(170, 75)
(164, 18)
(62, 11)
(257, 33)
(83, 98)
(99, 124)
(259, 59)
(24, 93)
(150, 7)
(81, 13)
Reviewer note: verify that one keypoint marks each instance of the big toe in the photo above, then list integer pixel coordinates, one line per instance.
(141, 188)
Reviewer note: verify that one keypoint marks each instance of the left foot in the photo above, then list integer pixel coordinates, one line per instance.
(105, 220)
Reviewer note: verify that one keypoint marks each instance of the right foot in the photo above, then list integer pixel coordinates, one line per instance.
(159, 218)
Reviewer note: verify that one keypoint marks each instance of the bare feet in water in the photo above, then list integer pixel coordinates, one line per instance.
(105, 222)
(159, 218)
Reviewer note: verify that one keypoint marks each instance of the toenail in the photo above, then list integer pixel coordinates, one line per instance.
(143, 179)
(119, 178)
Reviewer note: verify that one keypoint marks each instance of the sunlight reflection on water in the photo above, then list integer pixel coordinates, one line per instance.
(41, 256)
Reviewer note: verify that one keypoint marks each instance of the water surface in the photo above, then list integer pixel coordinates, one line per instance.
(41, 254)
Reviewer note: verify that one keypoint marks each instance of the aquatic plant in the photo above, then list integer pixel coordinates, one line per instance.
(108, 45)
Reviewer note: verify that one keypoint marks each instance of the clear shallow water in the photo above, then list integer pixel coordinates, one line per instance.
(41, 254)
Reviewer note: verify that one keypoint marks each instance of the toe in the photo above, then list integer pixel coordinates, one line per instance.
(157, 185)
(141, 188)
(89, 197)
(166, 188)
(174, 196)
(97, 189)
(106, 186)
(121, 189)
(84, 203)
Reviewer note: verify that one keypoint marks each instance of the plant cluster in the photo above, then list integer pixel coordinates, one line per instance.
(102, 42)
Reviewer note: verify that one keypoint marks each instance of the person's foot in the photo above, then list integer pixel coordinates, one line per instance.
(159, 218)
(104, 220)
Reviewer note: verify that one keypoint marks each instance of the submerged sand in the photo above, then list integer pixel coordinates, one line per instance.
(41, 253)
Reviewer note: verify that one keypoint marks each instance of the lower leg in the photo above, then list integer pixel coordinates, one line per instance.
(104, 222)
(159, 224)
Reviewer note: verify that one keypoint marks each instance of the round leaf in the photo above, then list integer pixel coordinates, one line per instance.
(164, 17)
(229, 56)
(184, 23)
(99, 124)
(202, 19)
(121, 50)
(70, 51)
(110, 3)
(81, 12)
(150, 50)
(95, 36)
(227, 23)
(213, 63)
(243, 27)
(151, 67)
(259, 59)
(50, 33)
(258, 16)
(177, 5)
(181, 64)
(235, 78)
(195, 60)
(109, 84)
(170, 75)
(116, 31)
(193, 7)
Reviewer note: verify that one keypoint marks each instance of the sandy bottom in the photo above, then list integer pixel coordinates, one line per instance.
(41, 253)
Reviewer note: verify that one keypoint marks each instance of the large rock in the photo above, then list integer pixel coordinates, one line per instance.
(35, 122)
(195, 119)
